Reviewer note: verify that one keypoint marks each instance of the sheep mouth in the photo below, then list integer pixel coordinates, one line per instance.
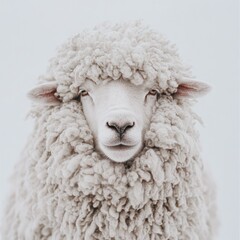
(120, 147)
(120, 152)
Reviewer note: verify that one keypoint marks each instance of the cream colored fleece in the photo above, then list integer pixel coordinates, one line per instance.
(64, 189)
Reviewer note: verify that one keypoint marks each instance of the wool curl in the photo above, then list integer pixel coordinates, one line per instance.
(64, 189)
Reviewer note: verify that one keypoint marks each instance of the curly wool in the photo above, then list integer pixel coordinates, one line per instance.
(129, 51)
(64, 189)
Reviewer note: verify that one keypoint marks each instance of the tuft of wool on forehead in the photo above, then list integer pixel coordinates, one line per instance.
(130, 51)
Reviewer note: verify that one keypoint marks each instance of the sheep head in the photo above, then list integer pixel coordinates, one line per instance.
(117, 74)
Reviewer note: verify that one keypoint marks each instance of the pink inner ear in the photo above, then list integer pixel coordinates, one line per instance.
(192, 89)
(185, 89)
(44, 93)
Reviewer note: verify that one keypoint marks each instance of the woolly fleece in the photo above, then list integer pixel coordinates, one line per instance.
(64, 189)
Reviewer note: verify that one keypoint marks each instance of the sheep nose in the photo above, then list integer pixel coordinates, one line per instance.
(120, 128)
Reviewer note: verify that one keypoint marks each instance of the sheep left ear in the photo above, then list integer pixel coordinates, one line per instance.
(192, 89)
(44, 94)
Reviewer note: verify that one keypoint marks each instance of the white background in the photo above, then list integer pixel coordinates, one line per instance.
(206, 34)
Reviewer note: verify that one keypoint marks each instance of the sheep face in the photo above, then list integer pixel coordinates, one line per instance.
(118, 113)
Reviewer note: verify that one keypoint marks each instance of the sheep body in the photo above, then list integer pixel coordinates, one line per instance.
(64, 189)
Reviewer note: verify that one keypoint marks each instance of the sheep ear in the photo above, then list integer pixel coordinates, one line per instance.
(44, 94)
(192, 89)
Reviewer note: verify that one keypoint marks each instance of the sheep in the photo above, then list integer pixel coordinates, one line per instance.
(114, 153)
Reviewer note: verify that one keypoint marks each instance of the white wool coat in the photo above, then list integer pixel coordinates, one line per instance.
(64, 189)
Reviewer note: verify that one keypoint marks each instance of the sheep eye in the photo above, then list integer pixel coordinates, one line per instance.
(153, 92)
(83, 93)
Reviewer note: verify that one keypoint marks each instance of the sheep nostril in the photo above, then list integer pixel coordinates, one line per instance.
(120, 128)
(114, 127)
(127, 126)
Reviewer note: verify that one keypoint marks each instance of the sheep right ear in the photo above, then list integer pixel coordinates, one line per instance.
(192, 89)
(44, 94)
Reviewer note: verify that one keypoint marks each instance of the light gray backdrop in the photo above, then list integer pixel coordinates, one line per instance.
(206, 34)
